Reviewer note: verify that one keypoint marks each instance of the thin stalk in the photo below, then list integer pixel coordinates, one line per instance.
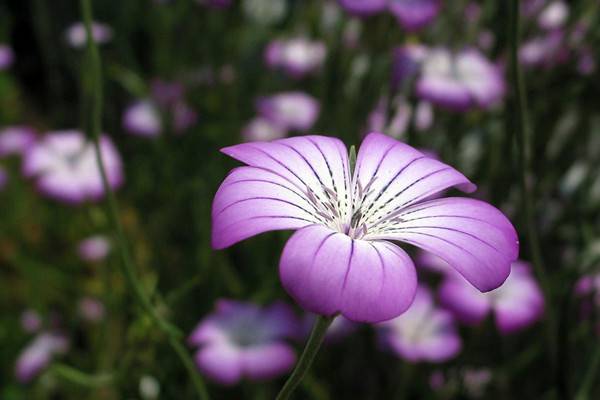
(94, 128)
(81, 378)
(523, 138)
(590, 376)
(308, 355)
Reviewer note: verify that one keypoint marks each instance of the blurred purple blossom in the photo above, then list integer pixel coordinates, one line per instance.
(423, 333)
(262, 129)
(516, 304)
(554, 15)
(16, 140)
(38, 355)
(76, 35)
(415, 14)
(63, 164)
(345, 225)
(363, 7)
(407, 61)
(290, 110)
(242, 340)
(7, 56)
(460, 81)
(142, 118)
(94, 248)
(91, 309)
(297, 56)
(31, 321)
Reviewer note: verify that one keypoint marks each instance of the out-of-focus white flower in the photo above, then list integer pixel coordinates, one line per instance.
(77, 37)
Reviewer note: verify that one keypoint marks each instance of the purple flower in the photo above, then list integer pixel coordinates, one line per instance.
(7, 57)
(142, 118)
(554, 15)
(516, 304)
(92, 310)
(183, 117)
(406, 63)
(415, 14)
(297, 57)
(16, 140)
(31, 321)
(241, 340)
(94, 248)
(166, 94)
(38, 354)
(290, 110)
(460, 81)
(544, 51)
(363, 8)
(423, 333)
(341, 260)
(64, 166)
(76, 35)
(262, 129)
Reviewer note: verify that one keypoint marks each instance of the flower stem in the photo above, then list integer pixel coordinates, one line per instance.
(588, 380)
(519, 118)
(308, 355)
(94, 129)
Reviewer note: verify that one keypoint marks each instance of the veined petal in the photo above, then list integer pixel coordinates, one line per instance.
(472, 236)
(289, 183)
(327, 273)
(391, 175)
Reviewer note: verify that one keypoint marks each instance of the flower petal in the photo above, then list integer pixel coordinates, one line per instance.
(472, 236)
(220, 362)
(519, 302)
(464, 301)
(391, 175)
(414, 14)
(268, 360)
(327, 273)
(290, 183)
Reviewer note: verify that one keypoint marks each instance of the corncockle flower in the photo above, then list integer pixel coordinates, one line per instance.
(363, 7)
(16, 140)
(241, 340)
(460, 81)
(341, 259)
(166, 94)
(407, 61)
(64, 166)
(544, 51)
(516, 304)
(183, 117)
(415, 14)
(554, 15)
(261, 129)
(92, 310)
(31, 321)
(297, 57)
(142, 118)
(7, 57)
(94, 248)
(76, 35)
(290, 110)
(38, 355)
(423, 333)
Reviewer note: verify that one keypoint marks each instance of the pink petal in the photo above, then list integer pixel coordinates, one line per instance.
(467, 303)
(268, 360)
(327, 273)
(472, 236)
(220, 362)
(395, 175)
(273, 193)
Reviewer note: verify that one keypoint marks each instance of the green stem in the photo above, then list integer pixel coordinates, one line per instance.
(81, 378)
(523, 137)
(94, 128)
(308, 355)
(590, 375)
